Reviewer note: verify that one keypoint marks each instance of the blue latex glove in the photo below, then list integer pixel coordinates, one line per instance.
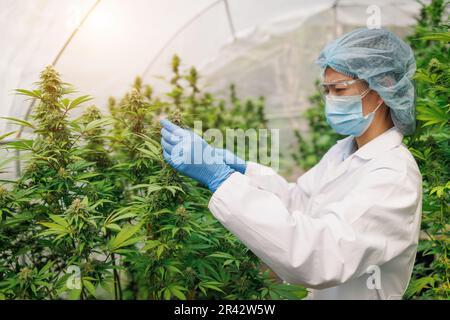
(232, 160)
(192, 156)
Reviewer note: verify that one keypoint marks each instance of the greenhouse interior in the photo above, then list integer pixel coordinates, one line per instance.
(104, 104)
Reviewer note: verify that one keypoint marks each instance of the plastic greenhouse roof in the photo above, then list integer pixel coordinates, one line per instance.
(100, 46)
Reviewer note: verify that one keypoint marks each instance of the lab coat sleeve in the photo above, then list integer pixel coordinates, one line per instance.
(265, 178)
(369, 227)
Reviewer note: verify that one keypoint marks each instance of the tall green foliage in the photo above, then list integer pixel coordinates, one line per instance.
(430, 146)
(97, 213)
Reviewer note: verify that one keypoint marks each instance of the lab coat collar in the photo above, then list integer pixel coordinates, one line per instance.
(386, 141)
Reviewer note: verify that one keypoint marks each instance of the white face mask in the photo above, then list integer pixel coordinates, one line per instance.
(345, 115)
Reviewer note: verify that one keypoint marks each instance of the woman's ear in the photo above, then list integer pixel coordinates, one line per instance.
(379, 99)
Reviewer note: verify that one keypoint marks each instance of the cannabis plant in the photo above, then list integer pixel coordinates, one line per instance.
(97, 213)
(430, 146)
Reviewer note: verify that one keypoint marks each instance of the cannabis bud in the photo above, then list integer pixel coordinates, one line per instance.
(77, 207)
(25, 274)
(62, 172)
(3, 192)
(175, 117)
(50, 85)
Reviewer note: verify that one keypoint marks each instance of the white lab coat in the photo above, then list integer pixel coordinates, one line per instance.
(352, 214)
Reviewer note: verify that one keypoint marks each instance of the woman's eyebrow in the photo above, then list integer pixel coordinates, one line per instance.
(337, 81)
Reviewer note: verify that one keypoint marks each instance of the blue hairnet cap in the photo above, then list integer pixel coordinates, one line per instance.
(385, 62)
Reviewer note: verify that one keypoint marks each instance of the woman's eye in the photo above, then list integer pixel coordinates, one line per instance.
(325, 90)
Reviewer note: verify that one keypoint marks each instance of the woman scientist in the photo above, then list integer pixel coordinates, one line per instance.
(349, 227)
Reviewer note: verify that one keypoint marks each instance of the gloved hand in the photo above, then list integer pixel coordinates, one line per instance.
(232, 160)
(192, 156)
